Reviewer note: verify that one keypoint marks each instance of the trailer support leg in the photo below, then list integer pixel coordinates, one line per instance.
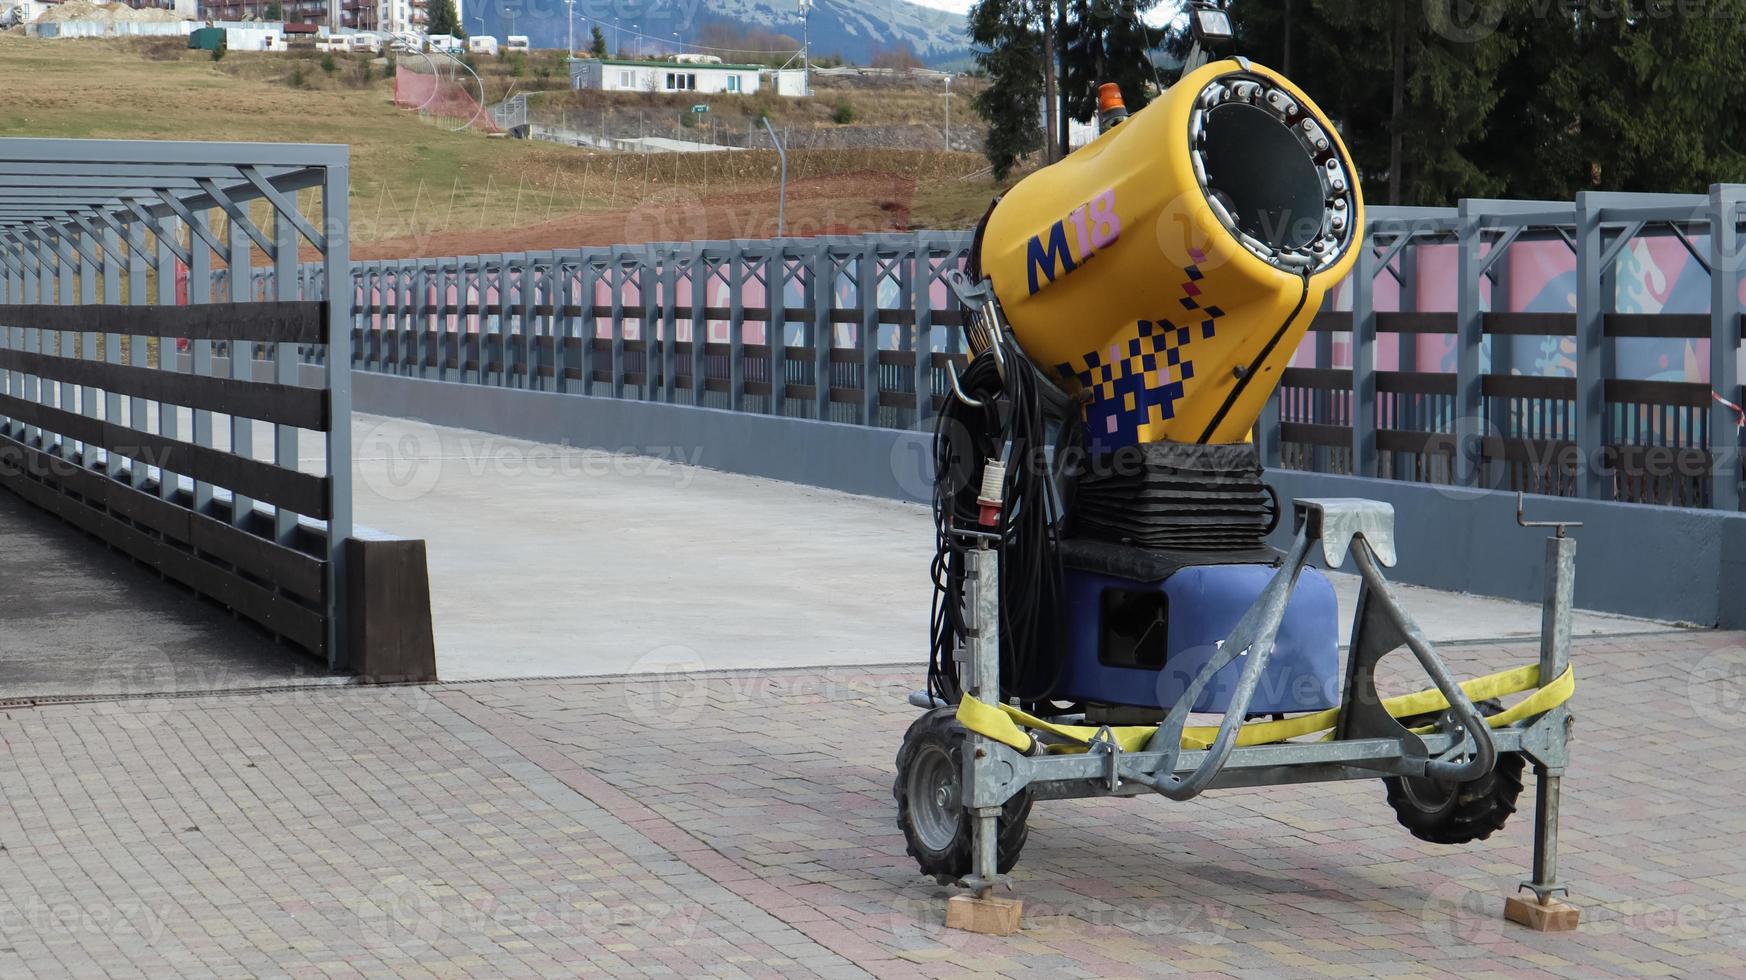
(1545, 913)
(981, 911)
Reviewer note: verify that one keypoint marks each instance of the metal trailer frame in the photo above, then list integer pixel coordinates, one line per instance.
(147, 471)
(1368, 743)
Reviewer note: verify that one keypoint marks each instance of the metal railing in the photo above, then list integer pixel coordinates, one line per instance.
(1471, 346)
(157, 403)
(1583, 421)
(857, 330)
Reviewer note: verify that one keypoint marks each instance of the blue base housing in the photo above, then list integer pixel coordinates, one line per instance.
(1202, 603)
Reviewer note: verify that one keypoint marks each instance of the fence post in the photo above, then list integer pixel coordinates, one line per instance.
(444, 320)
(286, 368)
(1592, 477)
(1321, 399)
(519, 367)
(699, 280)
(168, 423)
(1469, 335)
(737, 260)
(89, 269)
(200, 291)
(336, 219)
(867, 291)
(505, 277)
(112, 272)
(669, 264)
(776, 325)
(589, 279)
(615, 272)
(649, 324)
(418, 331)
(1363, 416)
(824, 300)
(393, 285)
(242, 368)
(1725, 266)
(923, 290)
(137, 349)
(470, 332)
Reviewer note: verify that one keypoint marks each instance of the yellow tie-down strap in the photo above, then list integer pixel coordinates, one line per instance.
(1005, 723)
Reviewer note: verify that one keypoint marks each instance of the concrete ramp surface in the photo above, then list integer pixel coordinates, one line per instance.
(79, 619)
(553, 561)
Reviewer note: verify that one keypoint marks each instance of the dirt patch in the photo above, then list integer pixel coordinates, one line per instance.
(837, 205)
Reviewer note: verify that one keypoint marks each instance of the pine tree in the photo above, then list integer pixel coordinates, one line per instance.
(1108, 41)
(1646, 103)
(1010, 51)
(597, 42)
(1529, 99)
(444, 19)
(1343, 56)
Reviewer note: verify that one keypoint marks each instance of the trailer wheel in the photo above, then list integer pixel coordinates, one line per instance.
(935, 823)
(1457, 813)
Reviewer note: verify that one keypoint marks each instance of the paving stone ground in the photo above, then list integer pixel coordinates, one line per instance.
(742, 825)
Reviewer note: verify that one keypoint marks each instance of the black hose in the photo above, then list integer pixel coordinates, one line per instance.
(1255, 365)
(1011, 423)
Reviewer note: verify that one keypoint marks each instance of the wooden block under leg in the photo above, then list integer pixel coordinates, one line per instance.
(1548, 916)
(990, 916)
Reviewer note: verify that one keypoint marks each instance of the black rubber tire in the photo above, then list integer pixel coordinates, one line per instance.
(935, 734)
(1460, 813)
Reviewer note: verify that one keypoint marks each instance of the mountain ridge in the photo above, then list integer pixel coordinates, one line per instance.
(855, 31)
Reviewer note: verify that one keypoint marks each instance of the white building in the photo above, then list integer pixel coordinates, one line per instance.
(400, 16)
(703, 78)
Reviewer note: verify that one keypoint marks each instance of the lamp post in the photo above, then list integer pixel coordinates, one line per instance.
(948, 112)
(806, 47)
(570, 25)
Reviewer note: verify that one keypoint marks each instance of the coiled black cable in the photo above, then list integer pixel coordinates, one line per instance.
(1011, 423)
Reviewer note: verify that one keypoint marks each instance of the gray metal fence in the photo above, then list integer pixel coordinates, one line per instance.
(1602, 420)
(158, 403)
(825, 328)
(1498, 344)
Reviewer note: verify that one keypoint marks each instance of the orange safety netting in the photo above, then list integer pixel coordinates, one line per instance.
(440, 95)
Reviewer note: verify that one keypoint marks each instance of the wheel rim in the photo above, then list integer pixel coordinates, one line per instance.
(1432, 795)
(934, 810)
(1429, 795)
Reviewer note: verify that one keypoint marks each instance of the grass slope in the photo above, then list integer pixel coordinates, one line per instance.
(415, 183)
